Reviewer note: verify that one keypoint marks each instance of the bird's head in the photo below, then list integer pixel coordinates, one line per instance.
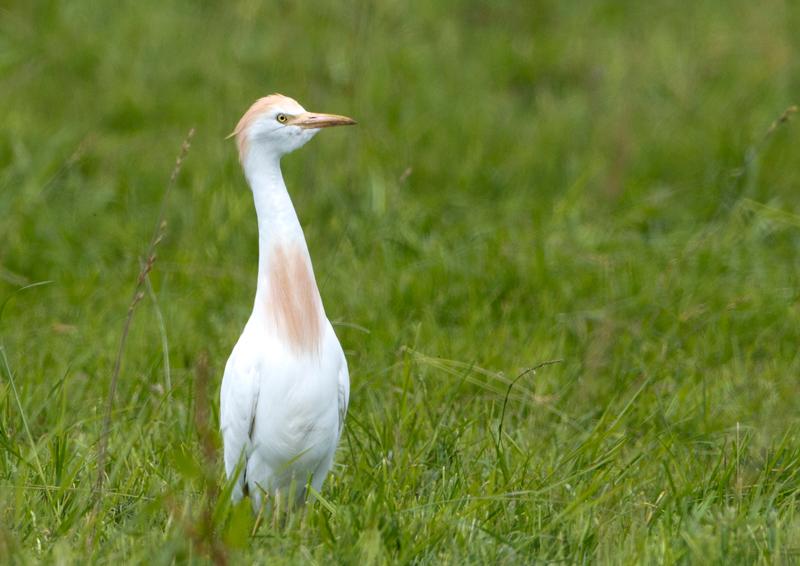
(276, 125)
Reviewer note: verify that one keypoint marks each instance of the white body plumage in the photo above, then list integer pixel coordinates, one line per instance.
(286, 387)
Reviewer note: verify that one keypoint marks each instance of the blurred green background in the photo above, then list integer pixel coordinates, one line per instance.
(609, 184)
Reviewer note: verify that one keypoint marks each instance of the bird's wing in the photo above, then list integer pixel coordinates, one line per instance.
(238, 400)
(344, 392)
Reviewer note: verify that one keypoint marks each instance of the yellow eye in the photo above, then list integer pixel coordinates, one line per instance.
(282, 118)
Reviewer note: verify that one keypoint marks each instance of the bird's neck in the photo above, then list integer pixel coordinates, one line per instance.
(287, 300)
(277, 219)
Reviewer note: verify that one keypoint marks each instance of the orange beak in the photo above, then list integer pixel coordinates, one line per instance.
(314, 120)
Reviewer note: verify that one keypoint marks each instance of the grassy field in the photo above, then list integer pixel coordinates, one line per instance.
(608, 185)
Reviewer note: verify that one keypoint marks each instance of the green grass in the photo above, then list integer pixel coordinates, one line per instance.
(591, 182)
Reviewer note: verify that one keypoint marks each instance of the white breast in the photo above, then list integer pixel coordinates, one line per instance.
(294, 406)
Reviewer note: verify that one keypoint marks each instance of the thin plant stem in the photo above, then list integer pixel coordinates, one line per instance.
(136, 297)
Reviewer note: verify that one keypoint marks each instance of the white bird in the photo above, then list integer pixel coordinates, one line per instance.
(286, 386)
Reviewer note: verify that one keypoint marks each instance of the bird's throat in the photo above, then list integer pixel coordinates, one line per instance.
(287, 297)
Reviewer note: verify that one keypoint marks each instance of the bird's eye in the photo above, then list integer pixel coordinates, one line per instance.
(282, 118)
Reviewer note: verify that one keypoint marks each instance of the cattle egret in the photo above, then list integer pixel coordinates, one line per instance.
(286, 387)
